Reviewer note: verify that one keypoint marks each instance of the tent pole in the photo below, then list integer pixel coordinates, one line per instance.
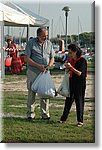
(28, 27)
(2, 50)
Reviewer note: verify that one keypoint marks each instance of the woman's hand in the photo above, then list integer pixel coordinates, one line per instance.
(71, 68)
(68, 65)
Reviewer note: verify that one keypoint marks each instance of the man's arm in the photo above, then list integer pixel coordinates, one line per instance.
(51, 62)
(34, 64)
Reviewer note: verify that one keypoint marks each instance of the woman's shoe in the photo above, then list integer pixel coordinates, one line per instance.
(80, 124)
(62, 121)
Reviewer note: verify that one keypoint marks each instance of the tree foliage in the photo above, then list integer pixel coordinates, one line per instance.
(85, 39)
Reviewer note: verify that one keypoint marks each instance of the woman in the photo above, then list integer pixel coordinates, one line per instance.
(11, 48)
(77, 66)
(16, 67)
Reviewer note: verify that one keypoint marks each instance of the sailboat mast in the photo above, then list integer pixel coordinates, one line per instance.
(52, 29)
(78, 30)
(39, 8)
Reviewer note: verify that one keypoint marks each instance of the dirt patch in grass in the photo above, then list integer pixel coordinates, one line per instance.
(19, 84)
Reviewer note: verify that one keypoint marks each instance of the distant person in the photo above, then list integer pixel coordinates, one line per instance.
(16, 66)
(39, 55)
(11, 48)
(61, 45)
(77, 66)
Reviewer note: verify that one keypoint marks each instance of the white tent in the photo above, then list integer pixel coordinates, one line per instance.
(13, 15)
(10, 17)
(39, 20)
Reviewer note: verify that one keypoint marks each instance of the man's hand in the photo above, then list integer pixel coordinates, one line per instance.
(47, 68)
(42, 68)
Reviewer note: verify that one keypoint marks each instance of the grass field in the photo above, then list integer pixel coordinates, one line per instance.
(17, 129)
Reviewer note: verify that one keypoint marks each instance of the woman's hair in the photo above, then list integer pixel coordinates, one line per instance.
(75, 48)
(8, 40)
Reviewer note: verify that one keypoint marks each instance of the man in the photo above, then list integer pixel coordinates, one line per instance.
(39, 55)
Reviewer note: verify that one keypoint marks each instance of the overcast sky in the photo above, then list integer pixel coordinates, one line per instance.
(53, 11)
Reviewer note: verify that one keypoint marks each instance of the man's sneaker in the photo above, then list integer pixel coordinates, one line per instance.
(30, 119)
(48, 118)
(80, 124)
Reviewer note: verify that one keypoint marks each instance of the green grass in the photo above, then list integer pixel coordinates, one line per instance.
(91, 66)
(18, 129)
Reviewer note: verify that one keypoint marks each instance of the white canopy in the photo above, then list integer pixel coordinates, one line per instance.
(9, 16)
(39, 20)
(13, 17)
